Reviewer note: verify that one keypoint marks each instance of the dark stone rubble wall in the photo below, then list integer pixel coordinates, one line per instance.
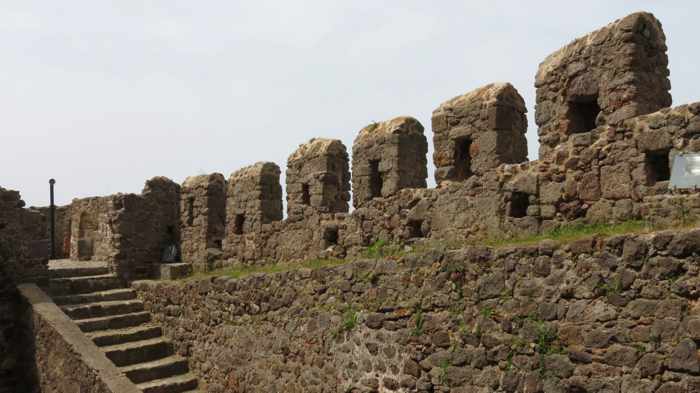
(596, 315)
(202, 217)
(24, 251)
(387, 157)
(607, 175)
(131, 230)
(621, 68)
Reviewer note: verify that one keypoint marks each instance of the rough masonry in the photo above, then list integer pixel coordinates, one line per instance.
(615, 316)
(596, 315)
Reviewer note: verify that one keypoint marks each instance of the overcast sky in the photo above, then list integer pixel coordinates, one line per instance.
(103, 95)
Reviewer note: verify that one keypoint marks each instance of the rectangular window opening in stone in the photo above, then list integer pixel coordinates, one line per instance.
(519, 202)
(305, 194)
(375, 179)
(582, 114)
(330, 236)
(463, 159)
(415, 229)
(170, 232)
(657, 166)
(190, 211)
(238, 223)
(218, 244)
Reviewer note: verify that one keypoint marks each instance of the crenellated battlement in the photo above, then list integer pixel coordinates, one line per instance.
(606, 147)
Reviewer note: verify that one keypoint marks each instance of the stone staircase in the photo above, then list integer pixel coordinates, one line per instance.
(110, 315)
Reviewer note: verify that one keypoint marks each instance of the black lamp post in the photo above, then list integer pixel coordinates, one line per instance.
(52, 222)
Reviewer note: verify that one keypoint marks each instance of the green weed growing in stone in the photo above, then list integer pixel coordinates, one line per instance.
(478, 333)
(487, 312)
(546, 337)
(419, 321)
(567, 233)
(382, 249)
(612, 287)
(641, 349)
(372, 126)
(444, 364)
(655, 340)
(509, 361)
(545, 343)
(506, 294)
(350, 319)
(454, 267)
(463, 328)
(245, 271)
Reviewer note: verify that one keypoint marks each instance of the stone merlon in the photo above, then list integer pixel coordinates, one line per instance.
(388, 156)
(475, 132)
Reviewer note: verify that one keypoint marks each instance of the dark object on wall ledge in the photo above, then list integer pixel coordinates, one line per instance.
(52, 215)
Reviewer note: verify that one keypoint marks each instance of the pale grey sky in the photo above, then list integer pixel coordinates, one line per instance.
(103, 95)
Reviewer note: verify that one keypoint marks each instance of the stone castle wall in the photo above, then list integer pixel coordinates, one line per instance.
(57, 357)
(24, 251)
(130, 231)
(387, 157)
(203, 212)
(24, 244)
(318, 178)
(476, 132)
(596, 315)
(606, 157)
(613, 74)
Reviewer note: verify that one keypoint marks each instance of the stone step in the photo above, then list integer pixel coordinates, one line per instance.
(102, 309)
(157, 369)
(138, 351)
(121, 336)
(177, 384)
(95, 297)
(85, 284)
(79, 271)
(114, 322)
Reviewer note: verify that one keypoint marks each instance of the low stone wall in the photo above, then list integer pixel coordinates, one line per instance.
(59, 357)
(598, 315)
(8, 334)
(24, 247)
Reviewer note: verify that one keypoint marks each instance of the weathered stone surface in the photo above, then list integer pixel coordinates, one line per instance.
(685, 357)
(63, 359)
(253, 200)
(318, 178)
(463, 320)
(387, 157)
(477, 131)
(202, 217)
(468, 320)
(610, 75)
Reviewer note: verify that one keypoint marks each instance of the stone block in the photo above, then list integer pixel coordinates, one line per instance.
(202, 216)
(581, 86)
(318, 178)
(387, 157)
(172, 271)
(615, 181)
(485, 128)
